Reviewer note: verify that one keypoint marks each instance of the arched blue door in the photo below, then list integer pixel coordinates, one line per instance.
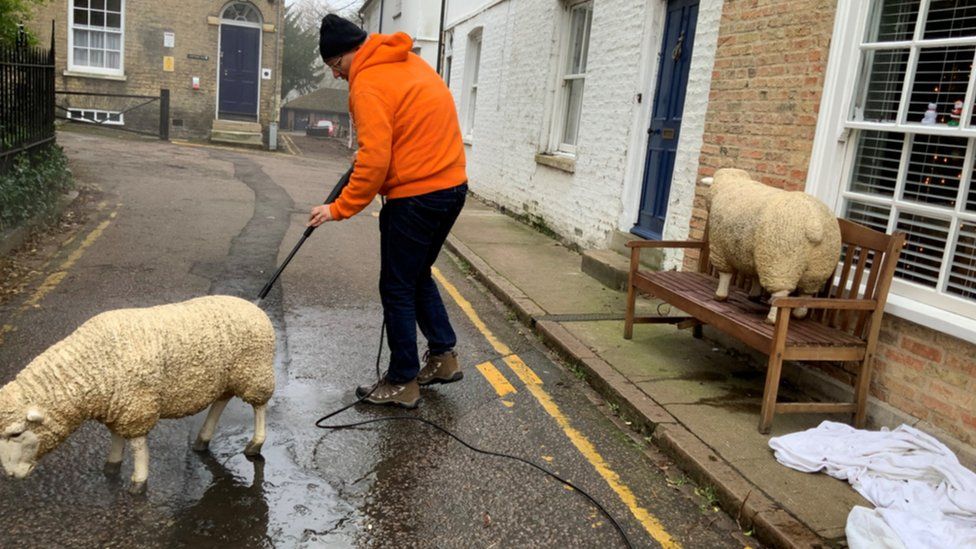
(665, 126)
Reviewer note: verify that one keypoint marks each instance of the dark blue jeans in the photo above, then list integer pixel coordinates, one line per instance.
(412, 231)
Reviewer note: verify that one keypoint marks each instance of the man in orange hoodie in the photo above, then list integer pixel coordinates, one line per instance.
(410, 151)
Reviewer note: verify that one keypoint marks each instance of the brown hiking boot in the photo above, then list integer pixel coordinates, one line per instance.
(442, 368)
(405, 395)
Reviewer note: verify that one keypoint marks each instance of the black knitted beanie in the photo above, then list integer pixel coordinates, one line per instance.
(338, 36)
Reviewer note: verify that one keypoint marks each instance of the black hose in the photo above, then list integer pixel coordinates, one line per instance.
(379, 378)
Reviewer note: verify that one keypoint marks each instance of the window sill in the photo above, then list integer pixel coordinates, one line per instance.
(117, 77)
(931, 317)
(557, 161)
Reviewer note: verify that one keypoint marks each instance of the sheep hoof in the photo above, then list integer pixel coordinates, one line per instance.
(721, 297)
(252, 449)
(112, 468)
(201, 445)
(138, 488)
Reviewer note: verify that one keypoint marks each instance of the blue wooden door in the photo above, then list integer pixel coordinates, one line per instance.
(239, 72)
(665, 126)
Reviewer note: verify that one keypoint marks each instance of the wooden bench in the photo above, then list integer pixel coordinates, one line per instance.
(842, 325)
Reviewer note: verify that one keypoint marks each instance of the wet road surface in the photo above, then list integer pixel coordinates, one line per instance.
(171, 222)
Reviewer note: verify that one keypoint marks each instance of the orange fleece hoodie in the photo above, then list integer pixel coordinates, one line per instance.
(408, 132)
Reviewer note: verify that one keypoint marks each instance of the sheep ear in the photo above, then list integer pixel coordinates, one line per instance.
(35, 415)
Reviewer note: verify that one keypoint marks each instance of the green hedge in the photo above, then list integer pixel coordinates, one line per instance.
(31, 184)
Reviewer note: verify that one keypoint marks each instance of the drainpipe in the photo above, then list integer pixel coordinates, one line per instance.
(380, 30)
(440, 39)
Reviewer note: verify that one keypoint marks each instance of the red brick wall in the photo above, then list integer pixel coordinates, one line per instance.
(930, 375)
(765, 93)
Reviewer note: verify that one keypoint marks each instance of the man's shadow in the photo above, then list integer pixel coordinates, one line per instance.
(231, 513)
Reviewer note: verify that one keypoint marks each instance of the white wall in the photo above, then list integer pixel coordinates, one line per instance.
(520, 50)
(418, 18)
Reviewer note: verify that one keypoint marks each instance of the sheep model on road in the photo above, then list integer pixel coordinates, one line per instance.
(789, 240)
(130, 367)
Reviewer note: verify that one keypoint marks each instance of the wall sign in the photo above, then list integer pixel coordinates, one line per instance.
(201, 57)
(169, 39)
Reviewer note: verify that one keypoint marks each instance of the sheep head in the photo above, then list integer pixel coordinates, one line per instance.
(19, 437)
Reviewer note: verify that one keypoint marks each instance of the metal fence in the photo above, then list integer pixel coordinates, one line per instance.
(26, 98)
(141, 114)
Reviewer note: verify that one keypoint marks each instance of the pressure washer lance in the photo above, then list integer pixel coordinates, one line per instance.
(343, 181)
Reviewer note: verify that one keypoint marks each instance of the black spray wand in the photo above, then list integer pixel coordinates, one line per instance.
(343, 181)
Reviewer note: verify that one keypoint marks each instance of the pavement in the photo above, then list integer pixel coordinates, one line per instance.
(696, 400)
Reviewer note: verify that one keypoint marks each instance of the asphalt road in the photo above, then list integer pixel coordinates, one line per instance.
(166, 222)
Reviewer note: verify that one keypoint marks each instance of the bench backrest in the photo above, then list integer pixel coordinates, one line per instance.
(868, 261)
(865, 271)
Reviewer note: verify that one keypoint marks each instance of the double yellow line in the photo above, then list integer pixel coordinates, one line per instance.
(533, 383)
(55, 278)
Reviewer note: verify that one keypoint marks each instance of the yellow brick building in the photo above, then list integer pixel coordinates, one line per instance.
(219, 60)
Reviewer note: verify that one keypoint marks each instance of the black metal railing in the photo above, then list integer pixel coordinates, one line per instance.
(26, 97)
(109, 110)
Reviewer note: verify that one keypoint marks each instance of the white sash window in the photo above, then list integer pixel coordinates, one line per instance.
(899, 110)
(95, 37)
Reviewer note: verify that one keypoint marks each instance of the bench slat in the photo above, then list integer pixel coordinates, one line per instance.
(738, 316)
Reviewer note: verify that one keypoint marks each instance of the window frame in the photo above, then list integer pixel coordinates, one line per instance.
(88, 69)
(78, 113)
(448, 57)
(561, 104)
(837, 137)
(472, 73)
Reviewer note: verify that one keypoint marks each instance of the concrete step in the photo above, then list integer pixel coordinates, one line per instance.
(650, 258)
(606, 266)
(246, 139)
(236, 126)
(611, 266)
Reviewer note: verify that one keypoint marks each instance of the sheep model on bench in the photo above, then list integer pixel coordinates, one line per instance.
(130, 367)
(789, 240)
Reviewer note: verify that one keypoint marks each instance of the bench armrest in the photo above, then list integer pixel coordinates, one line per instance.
(825, 303)
(666, 244)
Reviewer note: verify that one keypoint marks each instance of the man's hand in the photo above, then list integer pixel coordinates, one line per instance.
(319, 215)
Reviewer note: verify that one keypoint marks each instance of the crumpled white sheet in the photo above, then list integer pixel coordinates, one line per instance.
(919, 488)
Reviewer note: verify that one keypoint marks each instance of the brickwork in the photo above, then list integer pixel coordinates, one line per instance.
(145, 21)
(766, 85)
(519, 56)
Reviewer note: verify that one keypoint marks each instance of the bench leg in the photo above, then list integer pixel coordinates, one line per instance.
(773, 373)
(697, 332)
(631, 295)
(861, 391)
(774, 370)
(629, 319)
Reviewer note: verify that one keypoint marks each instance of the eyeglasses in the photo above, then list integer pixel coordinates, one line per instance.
(335, 63)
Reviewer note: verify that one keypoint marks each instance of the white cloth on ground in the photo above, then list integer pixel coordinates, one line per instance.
(915, 482)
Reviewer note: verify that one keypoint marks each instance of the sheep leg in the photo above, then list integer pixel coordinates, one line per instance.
(771, 318)
(755, 290)
(209, 425)
(801, 312)
(722, 292)
(254, 447)
(114, 463)
(140, 462)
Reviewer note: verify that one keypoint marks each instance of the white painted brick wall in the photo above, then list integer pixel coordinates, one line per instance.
(518, 74)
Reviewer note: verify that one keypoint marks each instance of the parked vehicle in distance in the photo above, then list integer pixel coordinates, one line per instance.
(322, 128)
